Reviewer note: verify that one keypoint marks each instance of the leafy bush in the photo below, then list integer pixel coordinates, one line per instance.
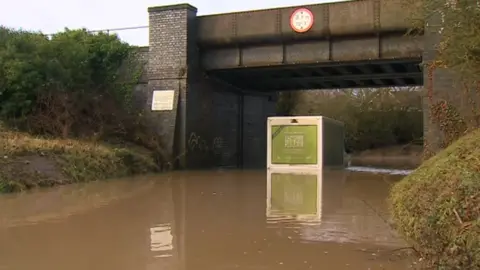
(437, 207)
(74, 83)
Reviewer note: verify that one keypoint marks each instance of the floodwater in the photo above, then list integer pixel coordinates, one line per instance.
(394, 162)
(207, 221)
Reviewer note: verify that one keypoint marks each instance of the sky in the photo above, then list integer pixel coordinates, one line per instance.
(50, 16)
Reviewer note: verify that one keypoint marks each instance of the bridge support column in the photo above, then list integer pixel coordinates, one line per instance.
(172, 43)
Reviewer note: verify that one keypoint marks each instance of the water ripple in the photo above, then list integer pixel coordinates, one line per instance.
(379, 170)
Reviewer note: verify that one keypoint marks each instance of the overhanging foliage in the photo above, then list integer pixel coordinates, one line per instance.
(456, 23)
(67, 83)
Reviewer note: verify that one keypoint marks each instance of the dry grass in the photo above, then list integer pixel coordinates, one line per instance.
(438, 206)
(27, 161)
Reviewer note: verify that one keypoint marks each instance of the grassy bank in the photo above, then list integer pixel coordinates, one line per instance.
(27, 161)
(437, 207)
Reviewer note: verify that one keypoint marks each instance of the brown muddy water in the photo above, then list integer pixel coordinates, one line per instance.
(207, 221)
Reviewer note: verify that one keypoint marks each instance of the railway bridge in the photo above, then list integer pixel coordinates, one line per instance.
(212, 80)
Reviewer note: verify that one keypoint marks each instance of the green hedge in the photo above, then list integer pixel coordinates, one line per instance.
(69, 84)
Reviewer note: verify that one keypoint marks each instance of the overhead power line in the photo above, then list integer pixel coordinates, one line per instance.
(113, 29)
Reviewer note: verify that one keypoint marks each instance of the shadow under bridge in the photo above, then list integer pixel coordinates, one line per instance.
(337, 75)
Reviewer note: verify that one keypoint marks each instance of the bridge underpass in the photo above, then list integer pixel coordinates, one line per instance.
(259, 70)
(339, 75)
(274, 79)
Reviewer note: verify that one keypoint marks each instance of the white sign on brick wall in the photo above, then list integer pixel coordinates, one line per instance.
(162, 100)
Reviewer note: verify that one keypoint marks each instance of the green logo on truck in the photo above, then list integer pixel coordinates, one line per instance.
(294, 144)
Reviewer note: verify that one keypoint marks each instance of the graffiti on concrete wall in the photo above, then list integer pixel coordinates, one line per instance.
(195, 142)
(217, 145)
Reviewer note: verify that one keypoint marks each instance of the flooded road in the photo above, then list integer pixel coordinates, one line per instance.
(206, 221)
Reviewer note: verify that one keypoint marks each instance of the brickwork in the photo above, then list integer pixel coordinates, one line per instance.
(167, 70)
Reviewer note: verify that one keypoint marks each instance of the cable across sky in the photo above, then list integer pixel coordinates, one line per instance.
(132, 38)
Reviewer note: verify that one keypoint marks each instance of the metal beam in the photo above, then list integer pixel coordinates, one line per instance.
(274, 74)
(366, 69)
(315, 66)
(346, 70)
(389, 69)
(335, 79)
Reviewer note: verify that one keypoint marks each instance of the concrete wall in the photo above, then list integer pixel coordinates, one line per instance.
(256, 111)
(141, 89)
(333, 141)
(213, 124)
(227, 128)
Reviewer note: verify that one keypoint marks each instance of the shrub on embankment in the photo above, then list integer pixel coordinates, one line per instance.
(374, 118)
(27, 161)
(437, 207)
(77, 86)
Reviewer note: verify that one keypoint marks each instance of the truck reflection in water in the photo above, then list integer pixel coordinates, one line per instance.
(322, 207)
(294, 196)
(161, 240)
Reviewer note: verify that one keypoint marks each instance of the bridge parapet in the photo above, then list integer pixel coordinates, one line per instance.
(332, 19)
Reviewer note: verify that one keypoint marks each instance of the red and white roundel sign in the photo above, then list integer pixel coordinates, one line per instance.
(301, 20)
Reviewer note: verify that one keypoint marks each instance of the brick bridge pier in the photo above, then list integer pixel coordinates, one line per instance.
(224, 71)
